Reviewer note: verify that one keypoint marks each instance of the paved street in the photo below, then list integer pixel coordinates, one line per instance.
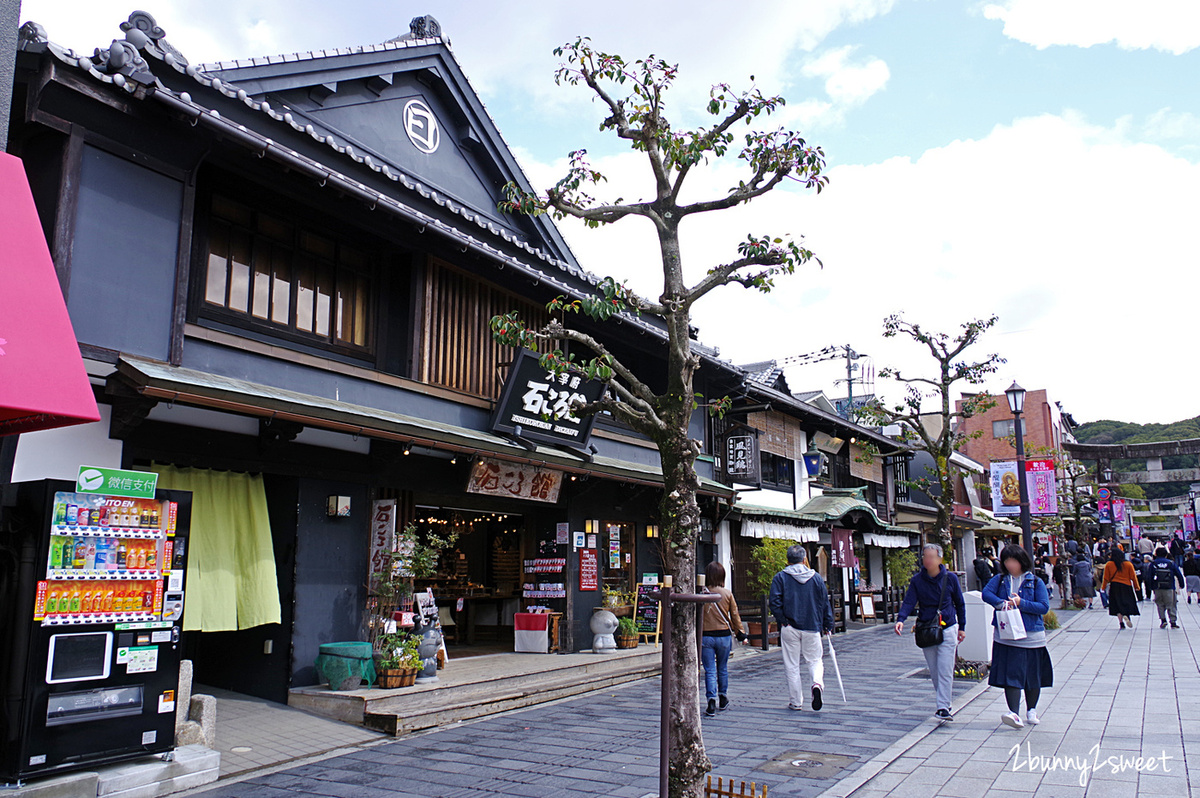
(1117, 696)
(606, 743)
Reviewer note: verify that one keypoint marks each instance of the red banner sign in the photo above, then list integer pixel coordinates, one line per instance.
(842, 549)
(589, 569)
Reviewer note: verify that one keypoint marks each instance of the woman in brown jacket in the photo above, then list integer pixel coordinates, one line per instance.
(1121, 582)
(721, 625)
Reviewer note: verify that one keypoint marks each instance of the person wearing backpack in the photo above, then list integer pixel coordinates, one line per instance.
(1019, 664)
(984, 568)
(1164, 575)
(941, 622)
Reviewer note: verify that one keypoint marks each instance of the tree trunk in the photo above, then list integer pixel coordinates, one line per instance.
(680, 522)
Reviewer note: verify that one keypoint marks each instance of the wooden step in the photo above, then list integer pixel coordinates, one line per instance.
(401, 716)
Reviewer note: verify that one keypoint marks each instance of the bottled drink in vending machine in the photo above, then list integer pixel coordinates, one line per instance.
(141, 557)
(152, 557)
(55, 552)
(80, 556)
(122, 562)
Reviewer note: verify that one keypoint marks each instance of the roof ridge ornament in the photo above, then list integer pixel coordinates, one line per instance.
(425, 27)
(124, 56)
(143, 32)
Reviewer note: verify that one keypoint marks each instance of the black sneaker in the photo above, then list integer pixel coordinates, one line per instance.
(816, 702)
(723, 703)
(1162, 625)
(1174, 626)
(944, 714)
(712, 707)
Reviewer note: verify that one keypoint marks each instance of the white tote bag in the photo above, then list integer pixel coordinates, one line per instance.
(1010, 624)
(1008, 619)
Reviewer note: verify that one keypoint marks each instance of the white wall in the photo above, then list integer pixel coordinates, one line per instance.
(58, 453)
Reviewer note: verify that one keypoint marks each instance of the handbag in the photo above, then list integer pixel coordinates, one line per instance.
(1009, 623)
(734, 643)
(930, 633)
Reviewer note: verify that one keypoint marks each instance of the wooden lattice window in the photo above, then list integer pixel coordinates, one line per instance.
(457, 350)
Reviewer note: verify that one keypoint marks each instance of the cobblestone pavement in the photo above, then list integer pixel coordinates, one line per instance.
(606, 743)
(1115, 723)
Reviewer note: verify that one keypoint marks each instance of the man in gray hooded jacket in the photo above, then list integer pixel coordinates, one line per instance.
(800, 603)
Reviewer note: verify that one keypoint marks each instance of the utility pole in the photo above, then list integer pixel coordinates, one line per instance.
(851, 356)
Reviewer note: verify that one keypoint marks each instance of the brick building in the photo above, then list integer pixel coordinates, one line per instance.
(1044, 424)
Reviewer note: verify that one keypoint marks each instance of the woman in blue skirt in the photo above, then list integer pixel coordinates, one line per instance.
(1020, 665)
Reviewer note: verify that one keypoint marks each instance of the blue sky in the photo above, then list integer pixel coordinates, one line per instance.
(1037, 159)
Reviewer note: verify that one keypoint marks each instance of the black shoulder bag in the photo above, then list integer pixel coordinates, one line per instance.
(929, 633)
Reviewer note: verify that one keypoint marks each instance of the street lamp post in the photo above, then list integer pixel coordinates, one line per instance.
(1016, 403)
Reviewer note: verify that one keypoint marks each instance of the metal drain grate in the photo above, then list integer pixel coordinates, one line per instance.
(807, 764)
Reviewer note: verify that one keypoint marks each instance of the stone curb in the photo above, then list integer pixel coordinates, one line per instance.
(877, 764)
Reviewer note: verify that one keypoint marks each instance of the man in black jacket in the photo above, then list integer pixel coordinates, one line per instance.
(1164, 575)
(985, 567)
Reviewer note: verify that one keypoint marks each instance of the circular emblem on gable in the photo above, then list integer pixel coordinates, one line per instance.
(421, 126)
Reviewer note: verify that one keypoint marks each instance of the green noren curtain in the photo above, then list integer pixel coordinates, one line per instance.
(231, 563)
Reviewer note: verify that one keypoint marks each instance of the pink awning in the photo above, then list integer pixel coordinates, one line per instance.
(42, 380)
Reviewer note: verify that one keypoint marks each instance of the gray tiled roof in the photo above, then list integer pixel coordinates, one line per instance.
(33, 37)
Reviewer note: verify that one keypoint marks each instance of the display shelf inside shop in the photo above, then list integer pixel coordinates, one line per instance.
(74, 575)
(65, 530)
(98, 617)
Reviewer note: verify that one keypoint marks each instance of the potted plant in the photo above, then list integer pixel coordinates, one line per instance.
(768, 558)
(627, 633)
(399, 660)
(618, 602)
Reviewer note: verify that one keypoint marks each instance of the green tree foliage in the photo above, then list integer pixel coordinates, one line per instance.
(631, 95)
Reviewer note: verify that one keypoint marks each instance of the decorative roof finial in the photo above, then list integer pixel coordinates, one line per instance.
(425, 27)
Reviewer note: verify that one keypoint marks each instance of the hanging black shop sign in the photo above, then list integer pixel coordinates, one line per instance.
(740, 451)
(538, 405)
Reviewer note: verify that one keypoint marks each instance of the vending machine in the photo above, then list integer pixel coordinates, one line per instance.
(91, 591)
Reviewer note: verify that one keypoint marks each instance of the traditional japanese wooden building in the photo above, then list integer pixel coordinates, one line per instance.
(280, 272)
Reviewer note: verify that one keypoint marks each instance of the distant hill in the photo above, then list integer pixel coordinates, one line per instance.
(1108, 431)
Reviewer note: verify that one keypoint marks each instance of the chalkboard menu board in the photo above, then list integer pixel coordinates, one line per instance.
(645, 614)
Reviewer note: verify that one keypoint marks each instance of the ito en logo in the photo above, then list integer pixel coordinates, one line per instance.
(421, 126)
(91, 479)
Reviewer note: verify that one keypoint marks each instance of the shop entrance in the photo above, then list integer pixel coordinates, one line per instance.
(478, 580)
(616, 557)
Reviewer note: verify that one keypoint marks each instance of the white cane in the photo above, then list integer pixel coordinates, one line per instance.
(837, 671)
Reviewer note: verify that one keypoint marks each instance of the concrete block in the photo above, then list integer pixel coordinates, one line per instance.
(70, 785)
(191, 766)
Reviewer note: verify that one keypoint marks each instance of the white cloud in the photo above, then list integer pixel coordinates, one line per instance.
(848, 84)
(1169, 25)
(1168, 125)
(1073, 233)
